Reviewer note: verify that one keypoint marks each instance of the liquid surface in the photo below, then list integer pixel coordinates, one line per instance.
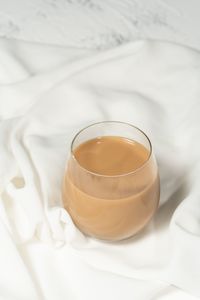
(111, 155)
(111, 207)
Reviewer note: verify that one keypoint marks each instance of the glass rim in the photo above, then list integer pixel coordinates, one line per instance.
(119, 175)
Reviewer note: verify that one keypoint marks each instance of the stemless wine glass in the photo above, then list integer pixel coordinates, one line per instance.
(111, 207)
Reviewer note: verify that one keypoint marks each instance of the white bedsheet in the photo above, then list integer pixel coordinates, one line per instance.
(46, 95)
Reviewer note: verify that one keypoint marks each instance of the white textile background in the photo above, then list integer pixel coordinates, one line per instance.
(46, 95)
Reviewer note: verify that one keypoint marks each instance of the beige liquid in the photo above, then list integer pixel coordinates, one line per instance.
(103, 194)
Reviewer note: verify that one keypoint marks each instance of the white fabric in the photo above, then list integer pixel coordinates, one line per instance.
(46, 95)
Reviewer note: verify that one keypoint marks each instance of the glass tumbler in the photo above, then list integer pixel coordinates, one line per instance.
(111, 207)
